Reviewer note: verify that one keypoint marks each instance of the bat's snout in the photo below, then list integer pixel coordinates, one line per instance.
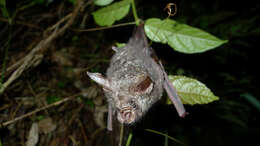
(126, 115)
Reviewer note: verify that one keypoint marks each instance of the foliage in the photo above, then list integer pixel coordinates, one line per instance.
(40, 117)
(119, 45)
(180, 37)
(234, 112)
(89, 102)
(108, 15)
(102, 2)
(253, 100)
(192, 91)
(72, 1)
(52, 99)
(3, 8)
(62, 84)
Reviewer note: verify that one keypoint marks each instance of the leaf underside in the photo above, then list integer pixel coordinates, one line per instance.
(192, 91)
(102, 2)
(108, 15)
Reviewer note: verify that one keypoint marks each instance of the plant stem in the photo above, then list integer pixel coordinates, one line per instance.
(129, 139)
(171, 138)
(5, 58)
(121, 134)
(137, 21)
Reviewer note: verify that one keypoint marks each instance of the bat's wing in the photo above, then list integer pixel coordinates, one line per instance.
(109, 118)
(139, 40)
(172, 93)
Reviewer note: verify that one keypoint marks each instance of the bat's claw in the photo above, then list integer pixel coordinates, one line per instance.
(114, 48)
(184, 114)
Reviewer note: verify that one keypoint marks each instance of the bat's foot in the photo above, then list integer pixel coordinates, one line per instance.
(184, 114)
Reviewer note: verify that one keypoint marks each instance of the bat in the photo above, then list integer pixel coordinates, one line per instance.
(134, 81)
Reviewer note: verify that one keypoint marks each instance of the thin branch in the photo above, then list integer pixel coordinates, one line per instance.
(22, 23)
(36, 55)
(38, 110)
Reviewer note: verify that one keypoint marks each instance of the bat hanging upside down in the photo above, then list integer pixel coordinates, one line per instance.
(134, 81)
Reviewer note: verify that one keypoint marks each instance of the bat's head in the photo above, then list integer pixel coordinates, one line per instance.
(129, 96)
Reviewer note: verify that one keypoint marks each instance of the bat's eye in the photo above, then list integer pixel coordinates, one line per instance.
(143, 86)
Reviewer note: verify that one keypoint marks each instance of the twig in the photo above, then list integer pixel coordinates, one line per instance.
(33, 59)
(12, 67)
(35, 95)
(22, 23)
(59, 22)
(121, 135)
(30, 60)
(4, 107)
(19, 62)
(74, 141)
(83, 132)
(12, 115)
(37, 110)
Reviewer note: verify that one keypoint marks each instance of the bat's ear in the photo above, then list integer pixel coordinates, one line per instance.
(143, 86)
(100, 79)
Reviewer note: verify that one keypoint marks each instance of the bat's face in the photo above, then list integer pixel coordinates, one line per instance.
(129, 96)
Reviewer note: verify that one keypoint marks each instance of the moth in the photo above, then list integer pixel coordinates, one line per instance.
(134, 81)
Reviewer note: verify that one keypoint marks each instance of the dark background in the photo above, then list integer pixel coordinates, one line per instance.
(230, 71)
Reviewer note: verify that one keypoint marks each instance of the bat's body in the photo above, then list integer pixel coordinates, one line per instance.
(135, 80)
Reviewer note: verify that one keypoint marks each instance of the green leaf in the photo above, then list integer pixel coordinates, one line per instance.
(108, 15)
(40, 1)
(253, 100)
(4, 9)
(192, 91)
(90, 103)
(62, 84)
(180, 37)
(52, 99)
(102, 2)
(72, 1)
(2, 3)
(40, 117)
(119, 45)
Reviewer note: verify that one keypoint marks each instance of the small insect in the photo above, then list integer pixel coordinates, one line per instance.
(134, 81)
(171, 9)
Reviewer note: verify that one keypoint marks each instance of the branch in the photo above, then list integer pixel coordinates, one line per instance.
(35, 57)
(37, 110)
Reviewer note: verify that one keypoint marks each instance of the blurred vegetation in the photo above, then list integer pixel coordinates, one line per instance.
(230, 71)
